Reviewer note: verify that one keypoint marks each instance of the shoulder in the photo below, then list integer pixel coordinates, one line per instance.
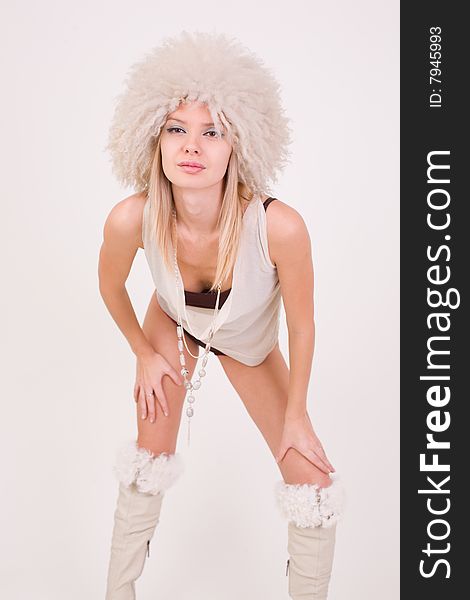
(287, 232)
(124, 221)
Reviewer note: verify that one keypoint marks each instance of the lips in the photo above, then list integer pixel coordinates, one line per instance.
(191, 164)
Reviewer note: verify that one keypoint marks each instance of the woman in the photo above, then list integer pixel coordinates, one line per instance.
(197, 133)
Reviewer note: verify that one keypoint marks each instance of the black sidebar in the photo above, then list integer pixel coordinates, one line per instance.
(434, 262)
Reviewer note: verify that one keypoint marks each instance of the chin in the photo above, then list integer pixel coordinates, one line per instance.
(193, 182)
(189, 184)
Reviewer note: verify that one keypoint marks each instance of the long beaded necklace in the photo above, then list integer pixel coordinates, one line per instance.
(188, 384)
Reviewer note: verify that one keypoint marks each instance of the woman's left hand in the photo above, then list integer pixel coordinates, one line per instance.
(298, 433)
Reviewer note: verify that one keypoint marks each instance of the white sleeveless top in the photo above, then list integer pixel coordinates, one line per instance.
(247, 326)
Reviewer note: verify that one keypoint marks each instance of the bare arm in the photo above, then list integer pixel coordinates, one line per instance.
(122, 236)
(291, 252)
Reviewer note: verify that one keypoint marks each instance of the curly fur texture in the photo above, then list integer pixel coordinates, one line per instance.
(309, 505)
(214, 69)
(151, 474)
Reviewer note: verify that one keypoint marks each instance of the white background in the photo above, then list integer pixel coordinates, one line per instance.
(69, 372)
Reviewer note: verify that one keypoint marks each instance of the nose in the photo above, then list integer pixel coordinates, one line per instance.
(191, 146)
(191, 149)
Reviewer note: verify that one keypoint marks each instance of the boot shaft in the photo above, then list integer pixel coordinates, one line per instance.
(143, 481)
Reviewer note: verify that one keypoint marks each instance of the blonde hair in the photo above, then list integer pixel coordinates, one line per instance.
(229, 223)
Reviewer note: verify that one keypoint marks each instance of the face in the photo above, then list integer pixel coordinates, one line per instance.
(189, 136)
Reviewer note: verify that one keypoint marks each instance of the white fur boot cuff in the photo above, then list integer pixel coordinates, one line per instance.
(150, 473)
(309, 505)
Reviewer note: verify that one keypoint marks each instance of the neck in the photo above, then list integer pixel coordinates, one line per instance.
(198, 209)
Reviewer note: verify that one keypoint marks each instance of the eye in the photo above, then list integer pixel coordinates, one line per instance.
(217, 133)
(174, 128)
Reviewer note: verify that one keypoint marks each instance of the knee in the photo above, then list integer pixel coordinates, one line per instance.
(297, 469)
(160, 436)
(146, 446)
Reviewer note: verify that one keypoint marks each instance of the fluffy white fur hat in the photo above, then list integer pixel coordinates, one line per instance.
(240, 93)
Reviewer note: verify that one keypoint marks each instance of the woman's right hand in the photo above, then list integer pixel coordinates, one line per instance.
(151, 367)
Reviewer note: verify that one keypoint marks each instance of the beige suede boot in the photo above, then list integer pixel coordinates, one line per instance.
(312, 513)
(143, 480)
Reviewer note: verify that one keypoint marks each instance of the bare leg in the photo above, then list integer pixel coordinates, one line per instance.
(263, 391)
(308, 497)
(146, 468)
(160, 330)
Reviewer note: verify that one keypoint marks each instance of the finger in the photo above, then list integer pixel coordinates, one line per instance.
(163, 401)
(136, 391)
(316, 460)
(324, 462)
(150, 405)
(322, 455)
(173, 373)
(142, 403)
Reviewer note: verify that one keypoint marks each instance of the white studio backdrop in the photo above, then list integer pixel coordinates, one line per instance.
(68, 371)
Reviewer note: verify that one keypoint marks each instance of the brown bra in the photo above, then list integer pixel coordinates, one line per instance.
(206, 299)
